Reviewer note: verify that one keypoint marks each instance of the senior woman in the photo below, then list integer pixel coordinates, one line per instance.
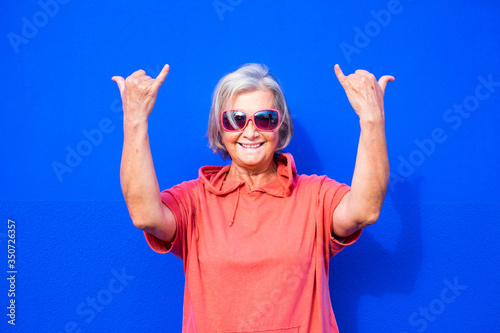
(255, 237)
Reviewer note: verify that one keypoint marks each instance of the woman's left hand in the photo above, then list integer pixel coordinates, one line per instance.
(365, 93)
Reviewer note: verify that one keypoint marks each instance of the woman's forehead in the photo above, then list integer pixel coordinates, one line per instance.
(253, 100)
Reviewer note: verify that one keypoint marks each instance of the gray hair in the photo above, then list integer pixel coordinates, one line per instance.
(248, 78)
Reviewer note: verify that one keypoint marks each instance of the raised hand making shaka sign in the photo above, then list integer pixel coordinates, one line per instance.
(361, 206)
(138, 93)
(364, 92)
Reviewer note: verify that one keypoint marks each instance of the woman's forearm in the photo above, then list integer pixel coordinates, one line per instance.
(371, 173)
(138, 178)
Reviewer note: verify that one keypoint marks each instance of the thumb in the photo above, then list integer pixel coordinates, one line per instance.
(384, 80)
(120, 82)
(161, 77)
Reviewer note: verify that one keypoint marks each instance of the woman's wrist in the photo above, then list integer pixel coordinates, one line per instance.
(134, 123)
(372, 123)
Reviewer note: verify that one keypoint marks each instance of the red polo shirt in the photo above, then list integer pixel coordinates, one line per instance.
(255, 260)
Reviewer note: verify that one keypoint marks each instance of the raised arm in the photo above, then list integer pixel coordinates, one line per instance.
(137, 174)
(361, 206)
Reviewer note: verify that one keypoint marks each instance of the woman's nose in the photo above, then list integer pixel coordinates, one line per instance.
(250, 130)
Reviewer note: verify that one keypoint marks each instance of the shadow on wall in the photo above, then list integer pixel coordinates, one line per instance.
(367, 268)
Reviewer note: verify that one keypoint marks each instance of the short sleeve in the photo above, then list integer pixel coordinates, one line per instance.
(332, 193)
(337, 246)
(181, 200)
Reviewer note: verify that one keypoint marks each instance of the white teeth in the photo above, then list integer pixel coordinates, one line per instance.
(250, 146)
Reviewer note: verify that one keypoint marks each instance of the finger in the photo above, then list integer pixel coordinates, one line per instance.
(384, 80)
(138, 73)
(340, 75)
(362, 72)
(161, 77)
(120, 82)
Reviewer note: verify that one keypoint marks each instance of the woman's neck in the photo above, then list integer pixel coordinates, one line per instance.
(253, 177)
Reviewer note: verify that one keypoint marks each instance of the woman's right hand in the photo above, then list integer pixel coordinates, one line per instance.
(138, 93)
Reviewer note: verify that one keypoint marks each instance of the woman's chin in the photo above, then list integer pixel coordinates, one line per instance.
(252, 159)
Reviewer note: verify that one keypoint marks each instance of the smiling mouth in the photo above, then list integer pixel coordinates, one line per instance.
(253, 146)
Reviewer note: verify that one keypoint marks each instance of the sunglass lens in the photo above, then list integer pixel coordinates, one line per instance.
(234, 120)
(266, 120)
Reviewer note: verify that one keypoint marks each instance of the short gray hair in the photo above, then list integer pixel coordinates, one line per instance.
(247, 78)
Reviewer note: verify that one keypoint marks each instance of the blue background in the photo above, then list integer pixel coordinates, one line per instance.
(431, 263)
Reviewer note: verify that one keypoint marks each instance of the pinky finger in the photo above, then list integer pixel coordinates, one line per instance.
(341, 77)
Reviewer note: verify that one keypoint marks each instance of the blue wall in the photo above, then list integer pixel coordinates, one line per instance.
(431, 263)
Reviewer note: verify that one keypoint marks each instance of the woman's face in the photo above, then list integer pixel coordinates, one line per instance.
(250, 148)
